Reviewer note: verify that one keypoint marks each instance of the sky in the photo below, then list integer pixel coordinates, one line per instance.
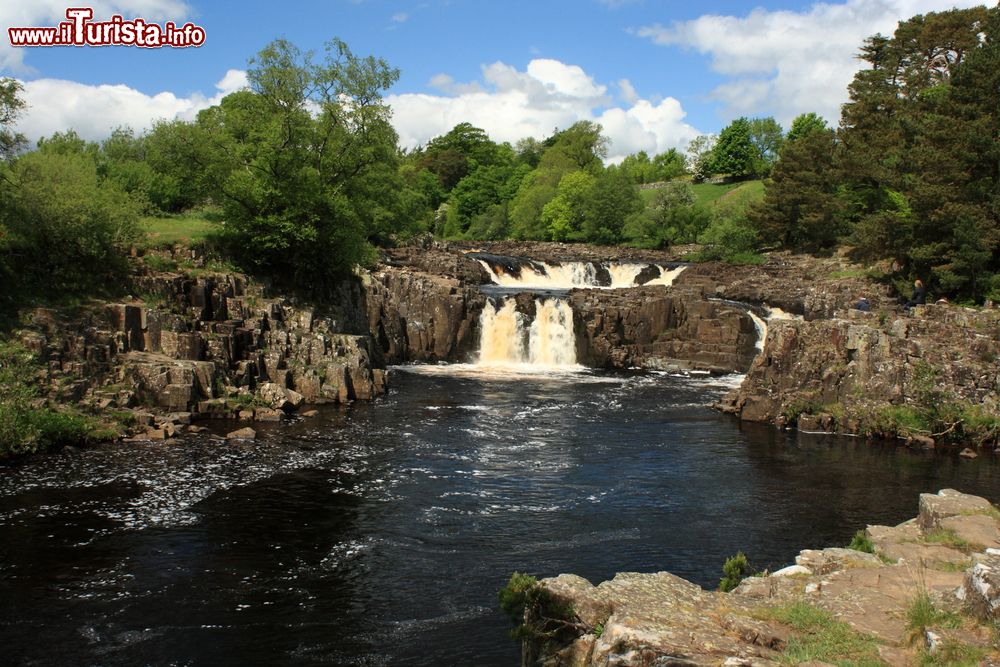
(654, 73)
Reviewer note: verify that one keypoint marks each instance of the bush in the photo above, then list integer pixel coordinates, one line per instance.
(861, 542)
(735, 570)
(68, 230)
(26, 428)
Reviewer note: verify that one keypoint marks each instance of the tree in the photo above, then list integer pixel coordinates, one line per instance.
(564, 214)
(767, 137)
(611, 202)
(804, 124)
(801, 207)
(673, 216)
(11, 107)
(293, 161)
(699, 156)
(734, 152)
(68, 231)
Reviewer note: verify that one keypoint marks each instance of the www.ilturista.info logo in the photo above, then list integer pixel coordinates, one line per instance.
(79, 30)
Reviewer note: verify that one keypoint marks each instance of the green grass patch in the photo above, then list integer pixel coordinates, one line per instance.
(922, 614)
(861, 542)
(187, 228)
(954, 654)
(949, 538)
(820, 637)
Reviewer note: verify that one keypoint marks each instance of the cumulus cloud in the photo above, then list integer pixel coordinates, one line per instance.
(785, 62)
(43, 13)
(511, 104)
(94, 111)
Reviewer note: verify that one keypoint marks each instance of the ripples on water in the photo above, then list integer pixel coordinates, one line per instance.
(380, 534)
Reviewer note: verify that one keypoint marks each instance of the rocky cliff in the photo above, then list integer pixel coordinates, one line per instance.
(833, 605)
(661, 328)
(846, 373)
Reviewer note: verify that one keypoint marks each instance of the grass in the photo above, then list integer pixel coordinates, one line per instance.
(949, 538)
(710, 194)
(820, 637)
(922, 614)
(189, 227)
(861, 542)
(954, 654)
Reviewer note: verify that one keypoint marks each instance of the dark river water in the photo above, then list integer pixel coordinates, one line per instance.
(379, 535)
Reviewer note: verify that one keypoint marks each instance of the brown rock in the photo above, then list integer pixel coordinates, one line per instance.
(242, 434)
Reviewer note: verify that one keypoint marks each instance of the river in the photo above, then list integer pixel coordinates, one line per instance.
(379, 534)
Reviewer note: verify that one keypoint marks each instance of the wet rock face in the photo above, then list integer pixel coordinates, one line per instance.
(657, 327)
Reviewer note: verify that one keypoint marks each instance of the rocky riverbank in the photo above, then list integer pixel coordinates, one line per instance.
(196, 344)
(928, 589)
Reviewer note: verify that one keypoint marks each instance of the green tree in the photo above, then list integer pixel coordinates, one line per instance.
(68, 231)
(564, 214)
(804, 124)
(801, 207)
(673, 216)
(699, 156)
(767, 137)
(734, 152)
(294, 158)
(12, 105)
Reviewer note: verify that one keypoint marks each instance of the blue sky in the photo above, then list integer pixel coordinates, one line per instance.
(655, 73)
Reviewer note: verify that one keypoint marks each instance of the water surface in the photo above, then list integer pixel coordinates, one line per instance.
(379, 535)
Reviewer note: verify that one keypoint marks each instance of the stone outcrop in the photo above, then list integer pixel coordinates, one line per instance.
(659, 619)
(661, 328)
(209, 345)
(419, 316)
(857, 364)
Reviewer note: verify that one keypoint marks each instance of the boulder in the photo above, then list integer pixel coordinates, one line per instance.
(834, 559)
(948, 503)
(982, 587)
(242, 434)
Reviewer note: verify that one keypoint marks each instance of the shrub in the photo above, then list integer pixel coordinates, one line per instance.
(861, 542)
(734, 570)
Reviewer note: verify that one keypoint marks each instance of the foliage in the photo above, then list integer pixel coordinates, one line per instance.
(303, 163)
(11, 107)
(27, 425)
(729, 239)
(68, 229)
(700, 161)
(803, 124)
(821, 638)
(734, 570)
(911, 174)
(861, 542)
(766, 137)
(671, 216)
(734, 153)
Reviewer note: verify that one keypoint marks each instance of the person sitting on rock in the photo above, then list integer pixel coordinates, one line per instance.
(863, 304)
(919, 297)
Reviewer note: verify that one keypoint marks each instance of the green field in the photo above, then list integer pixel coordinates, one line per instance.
(187, 228)
(711, 194)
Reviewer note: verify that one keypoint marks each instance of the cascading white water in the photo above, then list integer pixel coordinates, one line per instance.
(540, 275)
(761, 327)
(506, 338)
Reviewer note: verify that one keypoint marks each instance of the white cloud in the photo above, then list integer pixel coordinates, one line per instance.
(627, 91)
(94, 111)
(43, 13)
(400, 17)
(786, 63)
(511, 104)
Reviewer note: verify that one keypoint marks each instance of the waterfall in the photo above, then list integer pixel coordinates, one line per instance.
(761, 327)
(529, 274)
(506, 338)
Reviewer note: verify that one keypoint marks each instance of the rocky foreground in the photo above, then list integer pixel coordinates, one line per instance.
(930, 591)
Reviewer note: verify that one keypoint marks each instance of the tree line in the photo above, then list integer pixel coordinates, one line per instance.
(307, 172)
